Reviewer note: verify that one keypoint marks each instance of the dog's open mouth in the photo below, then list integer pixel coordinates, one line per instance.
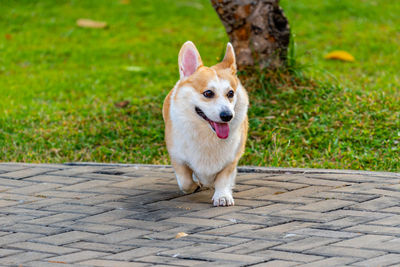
(221, 129)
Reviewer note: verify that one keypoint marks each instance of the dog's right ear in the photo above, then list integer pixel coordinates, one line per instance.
(189, 59)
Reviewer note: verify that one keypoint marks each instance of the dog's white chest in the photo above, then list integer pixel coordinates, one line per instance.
(202, 150)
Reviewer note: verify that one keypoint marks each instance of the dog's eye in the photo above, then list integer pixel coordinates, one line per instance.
(230, 94)
(208, 93)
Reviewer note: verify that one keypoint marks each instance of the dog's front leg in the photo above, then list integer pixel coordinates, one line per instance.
(224, 183)
(184, 177)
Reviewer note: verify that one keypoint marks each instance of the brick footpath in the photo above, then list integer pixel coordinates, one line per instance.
(129, 215)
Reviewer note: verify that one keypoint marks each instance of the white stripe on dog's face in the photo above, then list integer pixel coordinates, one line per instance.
(220, 102)
(190, 94)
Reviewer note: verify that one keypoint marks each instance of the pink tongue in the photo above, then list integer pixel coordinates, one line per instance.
(221, 129)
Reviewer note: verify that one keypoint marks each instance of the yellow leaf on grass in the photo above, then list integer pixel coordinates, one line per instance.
(181, 234)
(88, 23)
(339, 55)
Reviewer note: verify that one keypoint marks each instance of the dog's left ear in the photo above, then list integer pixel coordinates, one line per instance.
(229, 60)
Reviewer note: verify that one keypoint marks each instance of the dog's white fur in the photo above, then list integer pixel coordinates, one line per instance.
(198, 156)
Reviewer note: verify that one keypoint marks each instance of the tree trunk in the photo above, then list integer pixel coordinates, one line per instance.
(258, 31)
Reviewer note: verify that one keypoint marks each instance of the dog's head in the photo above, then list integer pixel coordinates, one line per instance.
(209, 92)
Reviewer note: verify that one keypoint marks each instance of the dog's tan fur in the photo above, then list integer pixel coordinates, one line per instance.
(198, 156)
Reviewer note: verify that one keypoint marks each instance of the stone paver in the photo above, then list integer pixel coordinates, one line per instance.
(129, 215)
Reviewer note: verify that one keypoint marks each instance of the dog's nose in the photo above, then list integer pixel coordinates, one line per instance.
(225, 115)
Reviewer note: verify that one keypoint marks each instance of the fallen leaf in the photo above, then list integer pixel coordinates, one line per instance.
(8, 36)
(278, 193)
(88, 23)
(125, 2)
(340, 55)
(122, 104)
(63, 262)
(181, 234)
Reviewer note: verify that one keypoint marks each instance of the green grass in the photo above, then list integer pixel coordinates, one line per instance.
(59, 83)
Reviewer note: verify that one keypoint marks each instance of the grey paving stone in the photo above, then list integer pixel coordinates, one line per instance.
(150, 242)
(242, 259)
(349, 196)
(325, 205)
(19, 210)
(139, 224)
(198, 221)
(94, 227)
(213, 212)
(129, 215)
(78, 256)
(250, 247)
(33, 228)
(374, 229)
(134, 254)
(45, 178)
(14, 183)
(344, 222)
(376, 204)
(117, 237)
(45, 263)
(306, 243)
(7, 219)
(168, 261)
(31, 189)
(5, 252)
(16, 237)
(288, 256)
(66, 195)
(26, 172)
(232, 229)
(266, 221)
(333, 261)
(393, 220)
(309, 216)
(219, 240)
(59, 217)
(17, 259)
(372, 241)
(336, 251)
(96, 246)
(277, 263)
(99, 200)
(87, 186)
(384, 260)
(11, 167)
(112, 263)
(31, 246)
(324, 233)
(73, 208)
(65, 238)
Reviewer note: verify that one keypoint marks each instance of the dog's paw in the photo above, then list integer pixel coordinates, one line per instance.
(194, 188)
(223, 199)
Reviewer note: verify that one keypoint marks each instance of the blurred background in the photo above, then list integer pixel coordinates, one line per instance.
(76, 92)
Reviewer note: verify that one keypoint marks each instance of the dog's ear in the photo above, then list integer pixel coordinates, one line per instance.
(229, 60)
(189, 59)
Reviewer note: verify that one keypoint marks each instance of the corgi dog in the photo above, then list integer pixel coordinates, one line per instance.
(205, 117)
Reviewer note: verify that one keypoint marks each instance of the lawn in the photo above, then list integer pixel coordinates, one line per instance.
(60, 83)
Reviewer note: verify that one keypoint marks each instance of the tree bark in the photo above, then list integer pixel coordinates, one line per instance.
(258, 31)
